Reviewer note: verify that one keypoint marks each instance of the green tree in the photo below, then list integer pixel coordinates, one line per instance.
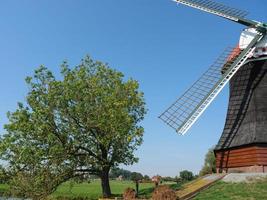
(186, 175)
(136, 178)
(209, 163)
(178, 180)
(4, 176)
(116, 172)
(87, 121)
(168, 179)
(147, 178)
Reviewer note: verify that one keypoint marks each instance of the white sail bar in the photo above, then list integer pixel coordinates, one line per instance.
(183, 113)
(219, 10)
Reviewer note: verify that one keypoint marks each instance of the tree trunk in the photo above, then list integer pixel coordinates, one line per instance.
(137, 188)
(106, 192)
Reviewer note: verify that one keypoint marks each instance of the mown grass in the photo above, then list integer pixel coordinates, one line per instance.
(235, 191)
(219, 191)
(93, 191)
(3, 188)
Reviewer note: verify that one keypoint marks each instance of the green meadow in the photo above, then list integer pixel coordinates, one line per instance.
(92, 190)
(218, 191)
(235, 191)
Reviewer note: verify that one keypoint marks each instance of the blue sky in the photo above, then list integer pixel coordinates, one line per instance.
(164, 46)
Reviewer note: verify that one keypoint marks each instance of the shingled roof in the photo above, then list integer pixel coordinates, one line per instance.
(246, 121)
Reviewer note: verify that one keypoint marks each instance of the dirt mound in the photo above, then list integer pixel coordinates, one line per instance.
(164, 193)
(129, 194)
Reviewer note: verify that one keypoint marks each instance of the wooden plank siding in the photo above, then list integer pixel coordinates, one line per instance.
(241, 157)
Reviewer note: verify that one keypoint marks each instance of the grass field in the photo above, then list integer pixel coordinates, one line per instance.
(219, 191)
(235, 191)
(93, 190)
(3, 188)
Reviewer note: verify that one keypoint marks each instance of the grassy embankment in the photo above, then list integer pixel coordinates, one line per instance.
(235, 191)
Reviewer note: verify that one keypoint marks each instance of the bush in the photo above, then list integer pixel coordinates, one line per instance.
(129, 194)
(4, 176)
(209, 163)
(168, 179)
(178, 180)
(146, 178)
(164, 193)
(186, 175)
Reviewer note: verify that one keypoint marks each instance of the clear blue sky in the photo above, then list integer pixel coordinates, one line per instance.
(164, 46)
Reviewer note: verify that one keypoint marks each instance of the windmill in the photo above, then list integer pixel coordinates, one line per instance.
(243, 143)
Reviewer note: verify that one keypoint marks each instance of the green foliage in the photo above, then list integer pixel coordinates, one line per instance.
(126, 174)
(136, 177)
(116, 172)
(36, 183)
(72, 190)
(209, 164)
(4, 176)
(178, 180)
(146, 178)
(168, 179)
(85, 122)
(186, 175)
(177, 186)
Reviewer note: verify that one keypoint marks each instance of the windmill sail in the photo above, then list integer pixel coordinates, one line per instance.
(221, 10)
(182, 114)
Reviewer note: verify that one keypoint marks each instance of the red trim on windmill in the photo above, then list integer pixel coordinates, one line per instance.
(236, 51)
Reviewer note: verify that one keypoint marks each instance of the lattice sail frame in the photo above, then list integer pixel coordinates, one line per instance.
(183, 113)
(219, 9)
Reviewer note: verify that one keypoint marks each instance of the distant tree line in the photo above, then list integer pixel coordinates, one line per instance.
(126, 174)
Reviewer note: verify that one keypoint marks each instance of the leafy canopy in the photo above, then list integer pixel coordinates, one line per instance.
(84, 122)
(209, 163)
(136, 176)
(187, 175)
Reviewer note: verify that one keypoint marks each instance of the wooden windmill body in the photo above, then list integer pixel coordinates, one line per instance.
(242, 146)
(243, 143)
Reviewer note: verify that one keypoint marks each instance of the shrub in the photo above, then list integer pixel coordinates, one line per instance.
(209, 163)
(186, 175)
